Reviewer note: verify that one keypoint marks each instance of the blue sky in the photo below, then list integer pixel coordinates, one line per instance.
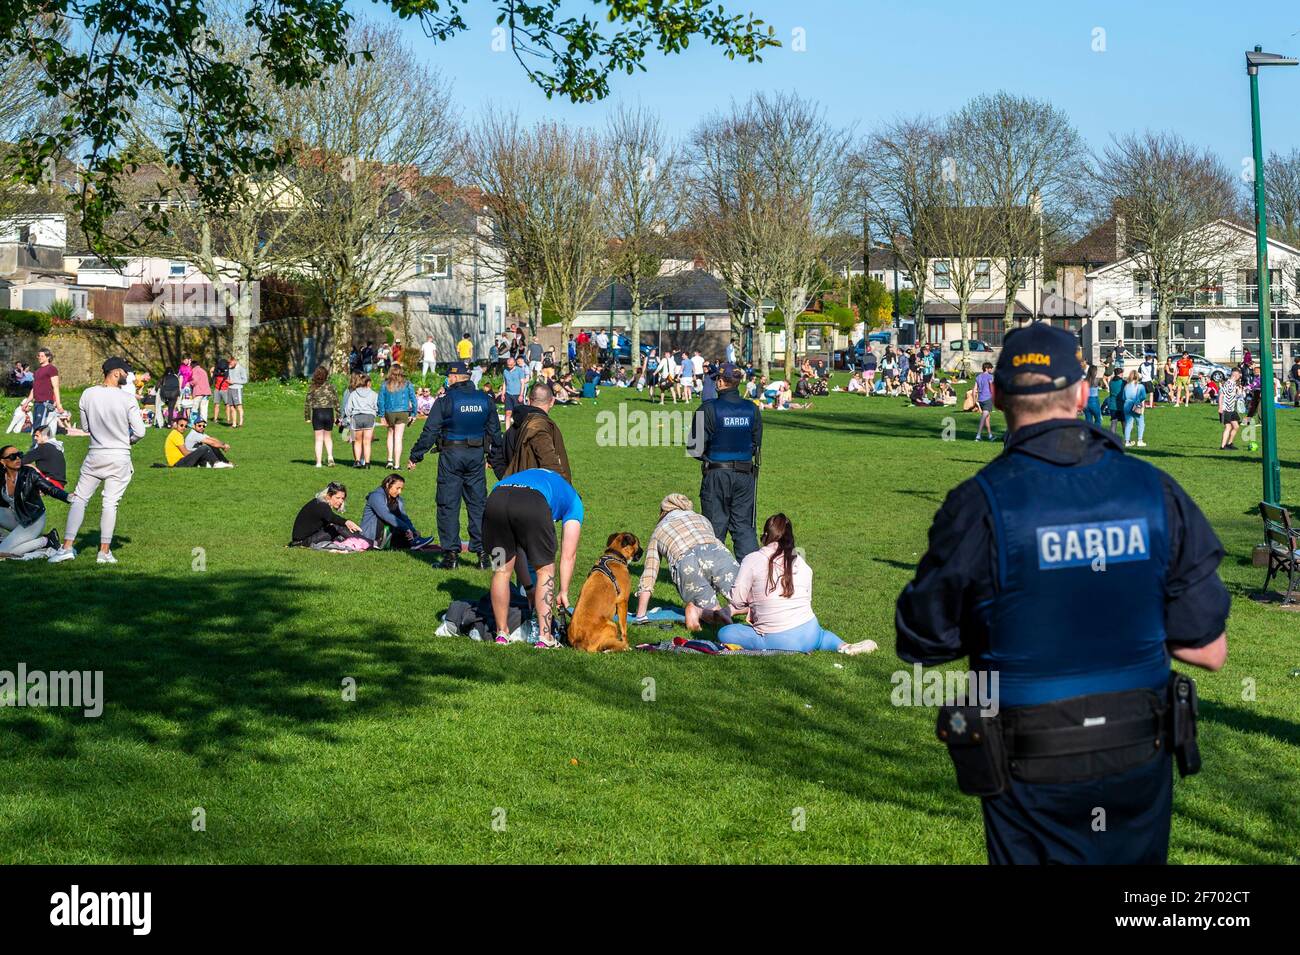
(1166, 64)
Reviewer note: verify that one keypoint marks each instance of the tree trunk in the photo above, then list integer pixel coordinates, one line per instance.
(341, 332)
(1163, 315)
(634, 329)
(760, 346)
(789, 347)
(1009, 311)
(965, 340)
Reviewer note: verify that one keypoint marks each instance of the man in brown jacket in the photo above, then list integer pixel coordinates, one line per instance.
(533, 440)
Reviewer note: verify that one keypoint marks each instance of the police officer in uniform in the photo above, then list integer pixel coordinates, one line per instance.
(463, 427)
(1071, 572)
(727, 435)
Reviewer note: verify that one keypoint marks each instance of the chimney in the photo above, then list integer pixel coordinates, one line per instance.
(1121, 236)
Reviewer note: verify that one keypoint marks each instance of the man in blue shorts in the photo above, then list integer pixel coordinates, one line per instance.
(519, 521)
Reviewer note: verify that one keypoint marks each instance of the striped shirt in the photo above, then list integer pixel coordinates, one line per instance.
(1228, 396)
(677, 534)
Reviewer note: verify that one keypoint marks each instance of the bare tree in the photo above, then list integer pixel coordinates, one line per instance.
(731, 222)
(956, 233)
(802, 163)
(900, 169)
(507, 172)
(644, 206)
(1282, 192)
(24, 109)
(1170, 194)
(235, 244)
(374, 149)
(545, 188)
(1028, 161)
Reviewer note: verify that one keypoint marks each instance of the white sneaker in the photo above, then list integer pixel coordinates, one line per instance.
(862, 646)
(1141, 444)
(105, 557)
(62, 554)
(223, 464)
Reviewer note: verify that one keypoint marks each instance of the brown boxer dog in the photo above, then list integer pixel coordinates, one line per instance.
(606, 590)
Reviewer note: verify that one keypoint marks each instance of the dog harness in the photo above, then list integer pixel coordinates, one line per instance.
(602, 566)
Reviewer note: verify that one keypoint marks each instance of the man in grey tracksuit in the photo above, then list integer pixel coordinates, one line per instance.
(112, 416)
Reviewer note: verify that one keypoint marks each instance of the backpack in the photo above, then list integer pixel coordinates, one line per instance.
(476, 620)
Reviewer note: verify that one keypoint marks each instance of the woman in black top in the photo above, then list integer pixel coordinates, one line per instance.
(319, 521)
(22, 512)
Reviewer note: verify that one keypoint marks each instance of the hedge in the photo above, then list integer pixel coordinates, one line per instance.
(38, 322)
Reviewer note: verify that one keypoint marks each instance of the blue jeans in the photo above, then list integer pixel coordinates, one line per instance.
(42, 412)
(804, 638)
(1092, 412)
(1128, 425)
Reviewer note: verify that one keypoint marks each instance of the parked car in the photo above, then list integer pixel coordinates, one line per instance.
(1200, 364)
(975, 345)
(623, 353)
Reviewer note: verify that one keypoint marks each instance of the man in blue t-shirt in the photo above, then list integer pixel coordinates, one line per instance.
(516, 380)
(519, 521)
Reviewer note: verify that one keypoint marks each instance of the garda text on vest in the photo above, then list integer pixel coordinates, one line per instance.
(1079, 545)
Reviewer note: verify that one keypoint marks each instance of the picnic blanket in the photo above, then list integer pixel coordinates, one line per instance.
(710, 647)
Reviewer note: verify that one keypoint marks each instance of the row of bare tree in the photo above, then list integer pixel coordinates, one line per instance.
(380, 170)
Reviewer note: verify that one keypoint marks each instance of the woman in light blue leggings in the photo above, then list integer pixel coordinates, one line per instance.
(804, 638)
(1134, 399)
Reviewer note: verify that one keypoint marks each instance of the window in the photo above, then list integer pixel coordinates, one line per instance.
(435, 265)
(983, 274)
(25, 235)
(685, 323)
(1141, 284)
(176, 270)
(989, 330)
(942, 274)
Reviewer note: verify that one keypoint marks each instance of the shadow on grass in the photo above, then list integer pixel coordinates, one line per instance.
(189, 664)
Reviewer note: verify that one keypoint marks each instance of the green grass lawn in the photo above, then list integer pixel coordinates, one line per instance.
(223, 684)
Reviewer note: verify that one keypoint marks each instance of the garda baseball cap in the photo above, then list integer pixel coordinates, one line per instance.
(731, 372)
(115, 364)
(1042, 350)
(457, 368)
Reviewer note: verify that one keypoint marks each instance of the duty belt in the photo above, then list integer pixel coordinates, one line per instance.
(742, 466)
(465, 443)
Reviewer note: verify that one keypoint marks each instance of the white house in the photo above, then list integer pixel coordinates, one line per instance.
(456, 288)
(1217, 319)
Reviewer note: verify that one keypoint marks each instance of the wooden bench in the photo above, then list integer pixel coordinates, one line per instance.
(1283, 543)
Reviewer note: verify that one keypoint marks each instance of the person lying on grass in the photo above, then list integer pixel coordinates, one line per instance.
(702, 569)
(774, 588)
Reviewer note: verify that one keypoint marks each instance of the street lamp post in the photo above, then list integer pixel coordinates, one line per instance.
(1272, 468)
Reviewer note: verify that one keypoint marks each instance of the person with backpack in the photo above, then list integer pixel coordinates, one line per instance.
(169, 394)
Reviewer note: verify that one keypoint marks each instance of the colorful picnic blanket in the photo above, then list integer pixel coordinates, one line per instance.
(710, 647)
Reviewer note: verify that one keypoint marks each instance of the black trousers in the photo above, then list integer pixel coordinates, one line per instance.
(203, 454)
(461, 476)
(1121, 819)
(727, 499)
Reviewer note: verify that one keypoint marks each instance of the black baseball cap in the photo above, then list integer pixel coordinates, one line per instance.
(457, 368)
(730, 372)
(115, 364)
(1040, 349)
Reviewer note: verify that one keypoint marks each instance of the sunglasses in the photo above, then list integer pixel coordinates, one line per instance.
(16, 456)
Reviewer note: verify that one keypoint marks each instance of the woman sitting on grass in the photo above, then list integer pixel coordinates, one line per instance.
(384, 522)
(22, 512)
(774, 588)
(321, 524)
